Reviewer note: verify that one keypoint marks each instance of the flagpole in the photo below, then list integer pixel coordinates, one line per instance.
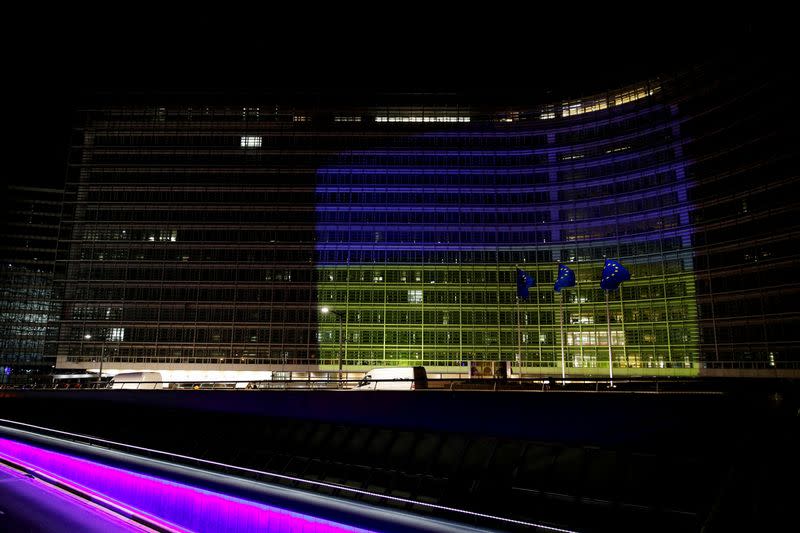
(519, 340)
(561, 323)
(608, 323)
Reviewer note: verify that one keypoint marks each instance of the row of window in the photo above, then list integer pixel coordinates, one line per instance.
(576, 170)
(302, 297)
(585, 358)
(423, 114)
(428, 216)
(467, 231)
(486, 236)
(432, 160)
(211, 253)
(502, 275)
(545, 336)
(638, 313)
(476, 196)
(669, 250)
(328, 139)
(205, 259)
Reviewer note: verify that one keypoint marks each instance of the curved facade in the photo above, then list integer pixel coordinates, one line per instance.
(418, 238)
(210, 237)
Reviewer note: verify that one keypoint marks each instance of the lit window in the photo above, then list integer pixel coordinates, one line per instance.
(415, 297)
(578, 107)
(634, 94)
(420, 118)
(569, 109)
(511, 116)
(619, 149)
(168, 235)
(595, 105)
(347, 118)
(250, 142)
(117, 334)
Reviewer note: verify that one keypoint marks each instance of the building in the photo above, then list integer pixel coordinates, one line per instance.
(28, 310)
(205, 237)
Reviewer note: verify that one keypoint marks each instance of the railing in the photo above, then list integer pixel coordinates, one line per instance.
(538, 384)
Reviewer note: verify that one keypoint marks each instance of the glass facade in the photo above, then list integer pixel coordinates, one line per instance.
(28, 311)
(210, 236)
(418, 239)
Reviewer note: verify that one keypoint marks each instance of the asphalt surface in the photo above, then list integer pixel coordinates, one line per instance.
(28, 505)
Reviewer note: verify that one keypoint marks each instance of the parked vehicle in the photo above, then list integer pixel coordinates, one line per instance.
(394, 378)
(137, 380)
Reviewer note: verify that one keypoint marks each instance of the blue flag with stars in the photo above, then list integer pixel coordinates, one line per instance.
(566, 278)
(524, 282)
(613, 274)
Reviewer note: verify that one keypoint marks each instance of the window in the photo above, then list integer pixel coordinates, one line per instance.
(421, 118)
(251, 142)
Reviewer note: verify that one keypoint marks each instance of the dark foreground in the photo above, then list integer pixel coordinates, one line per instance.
(614, 461)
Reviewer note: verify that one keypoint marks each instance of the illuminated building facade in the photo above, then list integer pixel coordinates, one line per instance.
(28, 312)
(208, 237)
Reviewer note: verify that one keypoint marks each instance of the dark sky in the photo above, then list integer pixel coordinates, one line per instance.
(66, 60)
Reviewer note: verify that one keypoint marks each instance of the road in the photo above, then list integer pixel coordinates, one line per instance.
(28, 505)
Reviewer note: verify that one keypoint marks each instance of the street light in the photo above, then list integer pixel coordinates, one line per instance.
(340, 317)
(102, 356)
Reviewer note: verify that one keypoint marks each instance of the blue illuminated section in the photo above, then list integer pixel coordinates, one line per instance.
(173, 507)
(380, 196)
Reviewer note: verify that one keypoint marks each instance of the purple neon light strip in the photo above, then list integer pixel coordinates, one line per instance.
(318, 483)
(98, 499)
(56, 487)
(178, 507)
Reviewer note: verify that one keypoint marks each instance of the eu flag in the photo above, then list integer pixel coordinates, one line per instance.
(613, 274)
(524, 282)
(566, 278)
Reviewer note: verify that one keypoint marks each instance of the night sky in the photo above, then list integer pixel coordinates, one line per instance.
(72, 59)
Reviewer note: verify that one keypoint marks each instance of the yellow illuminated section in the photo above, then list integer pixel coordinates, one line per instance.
(443, 316)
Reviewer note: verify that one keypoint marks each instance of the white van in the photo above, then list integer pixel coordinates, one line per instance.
(137, 380)
(394, 378)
